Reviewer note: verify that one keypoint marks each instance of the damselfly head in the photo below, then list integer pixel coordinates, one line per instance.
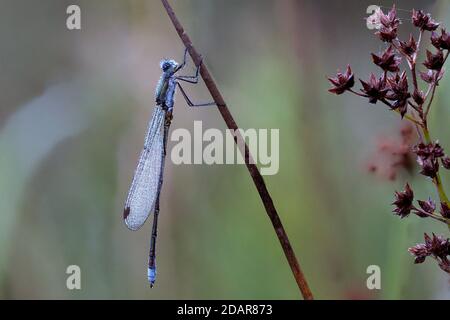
(168, 65)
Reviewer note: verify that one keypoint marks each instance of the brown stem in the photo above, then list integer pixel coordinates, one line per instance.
(414, 76)
(417, 108)
(358, 93)
(413, 63)
(406, 116)
(437, 180)
(433, 90)
(434, 216)
(252, 168)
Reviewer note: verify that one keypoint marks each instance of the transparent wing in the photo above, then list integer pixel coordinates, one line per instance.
(144, 188)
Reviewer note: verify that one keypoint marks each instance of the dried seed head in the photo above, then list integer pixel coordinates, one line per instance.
(430, 150)
(420, 252)
(388, 60)
(446, 162)
(441, 41)
(428, 206)
(418, 97)
(375, 89)
(399, 93)
(428, 76)
(387, 34)
(432, 76)
(409, 47)
(423, 21)
(403, 202)
(434, 61)
(445, 210)
(390, 20)
(342, 82)
(427, 157)
(436, 246)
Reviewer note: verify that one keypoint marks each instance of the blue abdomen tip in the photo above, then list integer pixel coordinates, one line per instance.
(151, 274)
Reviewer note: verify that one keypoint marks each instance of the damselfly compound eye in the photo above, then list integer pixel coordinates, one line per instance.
(165, 66)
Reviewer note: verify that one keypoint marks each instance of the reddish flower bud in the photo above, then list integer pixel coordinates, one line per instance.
(431, 76)
(387, 34)
(428, 206)
(374, 88)
(428, 76)
(441, 41)
(420, 252)
(418, 96)
(399, 92)
(387, 61)
(430, 150)
(446, 162)
(434, 61)
(399, 86)
(342, 82)
(403, 202)
(387, 29)
(409, 47)
(445, 210)
(423, 21)
(390, 20)
(427, 157)
(444, 265)
(437, 246)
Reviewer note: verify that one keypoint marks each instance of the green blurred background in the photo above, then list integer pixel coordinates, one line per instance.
(74, 108)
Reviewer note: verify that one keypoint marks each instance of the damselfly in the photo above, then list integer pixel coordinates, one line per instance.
(144, 193)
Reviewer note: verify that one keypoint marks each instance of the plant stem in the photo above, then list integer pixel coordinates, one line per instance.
(252, 168)
(437, 180)
(414, 75)
(406, 116)
(413, 64)
(436, 217)
(410, 118)
(433, 90)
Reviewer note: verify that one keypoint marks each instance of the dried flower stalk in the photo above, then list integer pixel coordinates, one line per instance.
(392, 89)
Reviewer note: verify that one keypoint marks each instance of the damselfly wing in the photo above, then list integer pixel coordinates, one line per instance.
(144, 191)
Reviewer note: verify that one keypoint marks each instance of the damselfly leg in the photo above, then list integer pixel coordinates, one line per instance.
(181, 66)
(191, 79)
(194, 80)
(189, 102)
